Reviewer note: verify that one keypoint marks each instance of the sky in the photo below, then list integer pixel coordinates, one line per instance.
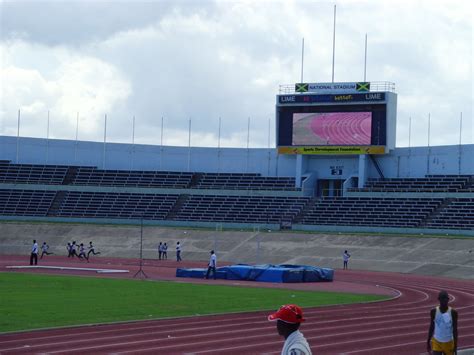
(181, 64)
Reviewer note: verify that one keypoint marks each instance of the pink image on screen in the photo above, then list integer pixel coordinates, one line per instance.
(332, 128)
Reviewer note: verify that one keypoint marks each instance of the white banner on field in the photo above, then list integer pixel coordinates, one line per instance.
(330, 88)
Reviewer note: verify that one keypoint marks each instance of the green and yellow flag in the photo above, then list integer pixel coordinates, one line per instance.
(301, 87)
(363, 87)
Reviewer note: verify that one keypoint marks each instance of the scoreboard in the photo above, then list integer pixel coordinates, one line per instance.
(347, 123)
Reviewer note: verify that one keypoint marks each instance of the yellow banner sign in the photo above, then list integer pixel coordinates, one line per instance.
(332, 150)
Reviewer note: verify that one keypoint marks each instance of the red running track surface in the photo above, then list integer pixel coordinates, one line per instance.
(398, 326)
(342, 128)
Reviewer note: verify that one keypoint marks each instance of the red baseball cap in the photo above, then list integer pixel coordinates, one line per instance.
(289, 313)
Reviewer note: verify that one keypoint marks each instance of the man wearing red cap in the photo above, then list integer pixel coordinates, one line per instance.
(289, 318)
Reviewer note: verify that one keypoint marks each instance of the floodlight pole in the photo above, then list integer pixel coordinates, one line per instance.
(334, 43)
(18, 139)
(140, 270)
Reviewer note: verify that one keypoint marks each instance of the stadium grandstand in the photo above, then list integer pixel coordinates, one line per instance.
(324, 185)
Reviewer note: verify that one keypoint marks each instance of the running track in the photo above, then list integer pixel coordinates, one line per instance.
(398, 326)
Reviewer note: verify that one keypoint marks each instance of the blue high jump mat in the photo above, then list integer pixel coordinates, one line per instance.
(265, 273)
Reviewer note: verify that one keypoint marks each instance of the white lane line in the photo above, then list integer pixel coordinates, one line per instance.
(101, 271)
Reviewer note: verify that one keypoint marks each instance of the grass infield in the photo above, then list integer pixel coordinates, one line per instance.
(40, 301)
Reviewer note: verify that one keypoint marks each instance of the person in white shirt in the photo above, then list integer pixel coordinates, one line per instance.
(34, 253)
(82, 252)
(164, 256)
(443, 333)
(160, 250)
(289, 318)
(178, 252)
(212, 265)
(44, 250)
(345, 258)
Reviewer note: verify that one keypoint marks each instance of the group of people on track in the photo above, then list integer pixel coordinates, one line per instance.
(79, 250)
(163, 251)
(73, 249)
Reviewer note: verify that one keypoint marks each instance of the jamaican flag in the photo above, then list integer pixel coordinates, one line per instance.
(301, 87)
(363, 87)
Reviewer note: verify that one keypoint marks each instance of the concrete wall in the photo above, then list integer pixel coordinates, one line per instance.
(401, 162)
(452, 257)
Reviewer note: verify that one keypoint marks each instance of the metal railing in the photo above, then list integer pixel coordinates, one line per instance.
(375, 86)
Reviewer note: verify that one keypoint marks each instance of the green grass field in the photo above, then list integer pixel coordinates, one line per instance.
(39, 301)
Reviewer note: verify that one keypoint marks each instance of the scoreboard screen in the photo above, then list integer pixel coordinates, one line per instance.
(332, 128)
(334, 125)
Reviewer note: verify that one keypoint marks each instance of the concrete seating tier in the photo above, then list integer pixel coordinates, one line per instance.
(91, 176)
(115, 205)
(25, 202)
(240, 209)
(458, 214)
(161, 179)
(31, 174)
(244, 182)
(361, 211)
(430, 183)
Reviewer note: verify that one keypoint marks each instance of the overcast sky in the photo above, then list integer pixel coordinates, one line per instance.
(201, 60)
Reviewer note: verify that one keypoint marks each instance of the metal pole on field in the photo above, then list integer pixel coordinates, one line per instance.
(258, 249)
(334, 43)
(18, 139)
(140, 270)
(105, 140)
(47, 139)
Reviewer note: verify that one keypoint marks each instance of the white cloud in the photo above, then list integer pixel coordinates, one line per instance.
(227, 59)
(60, 81)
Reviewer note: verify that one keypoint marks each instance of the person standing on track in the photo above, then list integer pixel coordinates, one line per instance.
(178, 251)
(289, 319)
(345, 258)
(212, 265)
(443, 333)
(44, 250)
(165, 252)
(160, 250)
(34, 253)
